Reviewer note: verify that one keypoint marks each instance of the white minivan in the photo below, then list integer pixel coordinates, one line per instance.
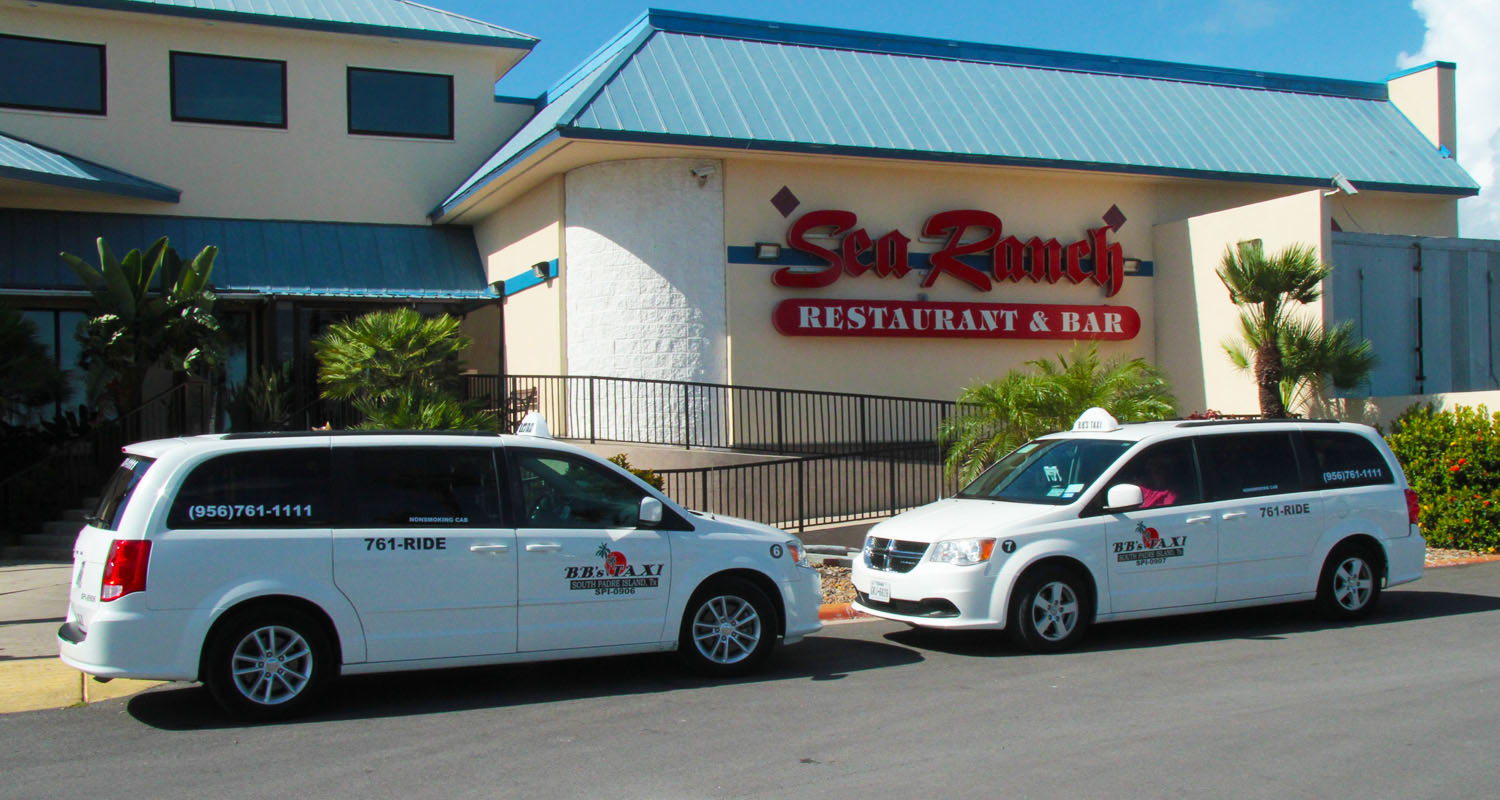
(1113, 522)
(264, 565)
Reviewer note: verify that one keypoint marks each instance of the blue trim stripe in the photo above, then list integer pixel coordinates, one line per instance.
(526, 280)
(921, 262)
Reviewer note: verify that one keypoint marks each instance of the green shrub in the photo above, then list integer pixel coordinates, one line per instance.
(647, 475)
(1452, 459)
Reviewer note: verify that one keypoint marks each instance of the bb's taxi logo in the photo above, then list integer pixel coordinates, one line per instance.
(615, 575)
(1153, 548)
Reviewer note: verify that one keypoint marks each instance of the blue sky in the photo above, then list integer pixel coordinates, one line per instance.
(1354, 39)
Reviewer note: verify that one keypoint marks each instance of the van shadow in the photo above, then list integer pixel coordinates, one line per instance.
(399, 694)
(1261, 622)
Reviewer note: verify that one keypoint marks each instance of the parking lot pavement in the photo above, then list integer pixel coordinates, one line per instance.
(33, 600)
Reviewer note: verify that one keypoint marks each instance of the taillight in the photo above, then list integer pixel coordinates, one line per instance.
(125, 570)
(1412, 506)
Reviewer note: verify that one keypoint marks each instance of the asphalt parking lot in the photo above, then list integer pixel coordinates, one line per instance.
(1266, 702)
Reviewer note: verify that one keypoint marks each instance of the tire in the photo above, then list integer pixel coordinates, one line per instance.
(728, 628)
(1349, 586)
(1050, 610)
(270, 663)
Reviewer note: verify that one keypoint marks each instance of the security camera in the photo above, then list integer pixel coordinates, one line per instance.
(702, 173)
(1343, 184)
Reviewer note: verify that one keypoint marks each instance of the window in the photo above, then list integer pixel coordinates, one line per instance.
(1347, 459)
(1050, 471)
(51, 76)
(1166, 473)
(233, 91)
(284, 488)
(118, 491)
(417, 487)
(1248, 465)
(387, 103)
(563, 491)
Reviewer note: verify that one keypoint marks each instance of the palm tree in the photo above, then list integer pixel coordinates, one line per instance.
(1289, 357)
(998, 416)
(400, 370)
(138, 322)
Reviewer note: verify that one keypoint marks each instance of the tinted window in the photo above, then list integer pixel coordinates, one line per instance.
(417, 487)
(1248, 465)
(261, 489)
(118, 491)
(51, 75)
(1052, 471)
(564, 491)
(1347, 459)
(1165, 472)
(237, 91)
(389, 103)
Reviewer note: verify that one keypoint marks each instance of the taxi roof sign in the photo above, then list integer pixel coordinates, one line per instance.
(534, 424)
(1096, 420)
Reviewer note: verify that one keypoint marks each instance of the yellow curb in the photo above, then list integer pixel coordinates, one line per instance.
(95, 690)
(37, 684)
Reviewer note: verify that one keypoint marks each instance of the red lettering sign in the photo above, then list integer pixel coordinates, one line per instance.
(911, 319)
(1011, 259)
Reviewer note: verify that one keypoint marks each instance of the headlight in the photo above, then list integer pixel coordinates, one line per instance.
(963, 552)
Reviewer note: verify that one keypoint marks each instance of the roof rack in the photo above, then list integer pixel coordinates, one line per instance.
(1207, 423)
(305, 434)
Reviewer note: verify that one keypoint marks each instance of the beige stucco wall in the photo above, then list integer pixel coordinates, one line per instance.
(1427, 99)
(1194, 312)
(312, 170)
(1384, 410)
(526, 232)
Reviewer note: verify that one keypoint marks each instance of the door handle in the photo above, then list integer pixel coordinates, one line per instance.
(488, 548)
(1199, 518)
(544, 547)
(1233, 514)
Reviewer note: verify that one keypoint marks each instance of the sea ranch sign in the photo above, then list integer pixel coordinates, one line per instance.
(973, 252)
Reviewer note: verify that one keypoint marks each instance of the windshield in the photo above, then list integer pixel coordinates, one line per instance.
(1050, 471)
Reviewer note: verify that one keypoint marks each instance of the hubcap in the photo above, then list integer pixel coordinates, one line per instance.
(271, 665)
(1353, 584)
(1054, 612)
(726, 629)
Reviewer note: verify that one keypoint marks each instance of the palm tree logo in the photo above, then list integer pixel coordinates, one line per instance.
(614, 561)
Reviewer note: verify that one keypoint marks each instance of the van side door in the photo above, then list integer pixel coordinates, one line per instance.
(1163, 554)
(422, 549)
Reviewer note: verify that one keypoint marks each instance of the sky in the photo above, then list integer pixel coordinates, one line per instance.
(1364, 40)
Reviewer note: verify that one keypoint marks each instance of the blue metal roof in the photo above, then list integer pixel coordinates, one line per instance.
(692, 79)
(28, 161)
(401, 19)
(327, 259)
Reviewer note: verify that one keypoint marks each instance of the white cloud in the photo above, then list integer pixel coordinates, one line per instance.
(1467, 32)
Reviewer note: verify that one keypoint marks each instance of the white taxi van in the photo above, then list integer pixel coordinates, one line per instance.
(264, 565)
(1113, 522)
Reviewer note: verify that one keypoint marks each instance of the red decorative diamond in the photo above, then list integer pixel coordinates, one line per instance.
(785, 202)
(1114, 218)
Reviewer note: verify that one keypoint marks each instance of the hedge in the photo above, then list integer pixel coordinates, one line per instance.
(1452, 459)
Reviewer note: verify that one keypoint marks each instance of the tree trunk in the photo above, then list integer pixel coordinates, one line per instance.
(1268, 379)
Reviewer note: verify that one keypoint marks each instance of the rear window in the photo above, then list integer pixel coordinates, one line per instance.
(260, 489)
(1347, 459)
(1050, 471)
(117, 492)
(1248, 465)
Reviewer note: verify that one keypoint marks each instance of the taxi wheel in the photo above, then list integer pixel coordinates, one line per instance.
(728, 629)
(268, 664)
(1349, 586)
(1049, 610)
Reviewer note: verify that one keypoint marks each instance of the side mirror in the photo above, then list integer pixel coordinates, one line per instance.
(1123, 497)
(651, 512)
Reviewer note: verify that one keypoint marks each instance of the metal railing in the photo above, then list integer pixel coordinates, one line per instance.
(751, 418)
(796, 493)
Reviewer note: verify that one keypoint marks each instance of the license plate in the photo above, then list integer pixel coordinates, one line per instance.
(880, 591)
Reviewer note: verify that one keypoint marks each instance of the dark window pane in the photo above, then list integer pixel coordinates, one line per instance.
(242, 91)
(417, 487)
(1248, 465)
(262, 489)
(51, 75)
(563, 491)
(1347, 459)
(117, 492)
(400, 103)
(1166, 474)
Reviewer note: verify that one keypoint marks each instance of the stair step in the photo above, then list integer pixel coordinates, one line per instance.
(51, 540)
(61, 528)
(78, 515)
(24, 553)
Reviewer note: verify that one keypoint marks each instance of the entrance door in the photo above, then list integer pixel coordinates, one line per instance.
(590, 577)
(422, 551)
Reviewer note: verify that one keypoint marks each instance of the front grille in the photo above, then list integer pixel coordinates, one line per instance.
(893, 555)
(927, 607)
